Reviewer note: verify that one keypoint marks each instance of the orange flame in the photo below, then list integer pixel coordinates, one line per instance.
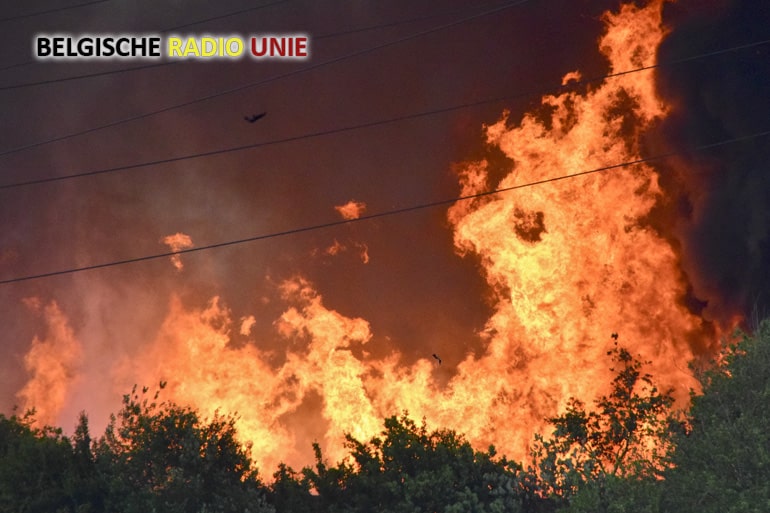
(177, 242)
(351, 210)
(569, 263)
(194, 355)
(52, 363)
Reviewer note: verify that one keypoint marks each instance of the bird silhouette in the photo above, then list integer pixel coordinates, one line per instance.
(437, 358)
(255, 117)
(615, 336)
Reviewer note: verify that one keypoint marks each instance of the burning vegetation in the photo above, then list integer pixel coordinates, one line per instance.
(631, 452)
(567, 263)
(573, 266)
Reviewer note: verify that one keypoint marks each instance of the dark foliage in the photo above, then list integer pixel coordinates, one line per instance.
(408, 468)
(43, 471)
(163, 458)
(613, 453)
(722, 458)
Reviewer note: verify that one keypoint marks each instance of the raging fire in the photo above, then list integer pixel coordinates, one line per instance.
(569, 262)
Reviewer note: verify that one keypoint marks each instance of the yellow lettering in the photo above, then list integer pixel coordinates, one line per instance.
(208, 46)
(205, 47)
(238, 47)
(174, 44)
(191, 48)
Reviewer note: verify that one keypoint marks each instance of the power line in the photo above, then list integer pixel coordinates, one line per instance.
(49, 11)
(569, 86)
(244, 147)
(396, 23)
(223, 16)
(170, 63)
(267, 80)
(89, 75)
(387, 213)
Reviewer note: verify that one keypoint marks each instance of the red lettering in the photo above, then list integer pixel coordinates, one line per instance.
(277, 49)
(254, 51)
(301, 47)
(270, 46)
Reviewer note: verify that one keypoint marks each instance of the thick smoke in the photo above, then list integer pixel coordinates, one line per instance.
(721, 197)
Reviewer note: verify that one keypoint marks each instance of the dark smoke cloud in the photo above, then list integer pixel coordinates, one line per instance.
(721, 196)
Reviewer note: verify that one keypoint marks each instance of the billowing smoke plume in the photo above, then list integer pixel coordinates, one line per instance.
(719, 198)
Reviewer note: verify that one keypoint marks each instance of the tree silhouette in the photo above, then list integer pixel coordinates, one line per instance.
(409, 469)
(722, 459)
(620, 446)
(162, 457)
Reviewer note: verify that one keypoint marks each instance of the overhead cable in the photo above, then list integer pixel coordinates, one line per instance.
(416, 115)
(256, 83)
(386, 213)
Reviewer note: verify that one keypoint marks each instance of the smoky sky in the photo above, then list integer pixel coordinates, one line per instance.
(416, 292)
(720, 197)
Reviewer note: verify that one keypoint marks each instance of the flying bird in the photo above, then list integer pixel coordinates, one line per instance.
(255, 117)
(437, 358)
(615, 336)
